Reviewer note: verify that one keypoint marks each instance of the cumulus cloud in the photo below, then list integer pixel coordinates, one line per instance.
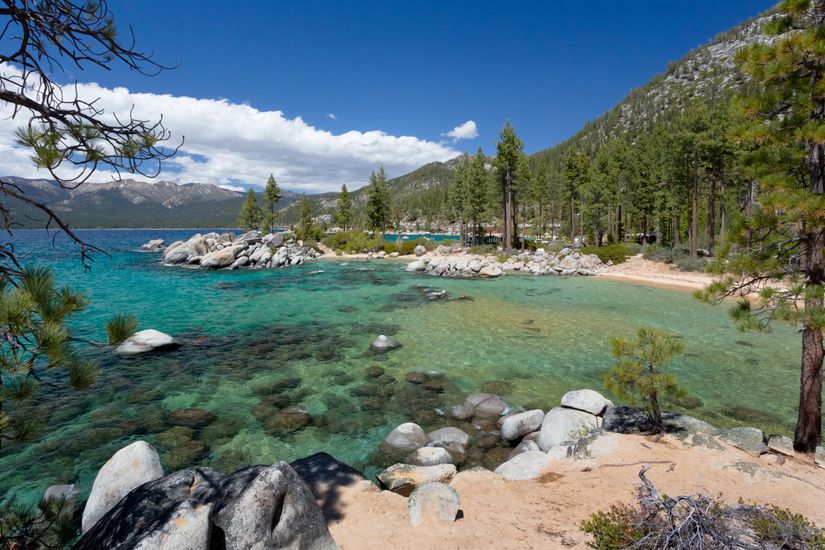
(468, 130)
(229, 143)
(332, 116)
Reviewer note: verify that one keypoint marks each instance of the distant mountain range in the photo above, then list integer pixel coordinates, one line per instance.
(134, 204)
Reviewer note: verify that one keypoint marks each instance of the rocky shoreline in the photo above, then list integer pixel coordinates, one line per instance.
(446, 261)
(251, 250)
(133, 502)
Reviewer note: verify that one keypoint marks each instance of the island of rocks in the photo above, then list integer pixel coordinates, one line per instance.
(447, 261)
(227, 251)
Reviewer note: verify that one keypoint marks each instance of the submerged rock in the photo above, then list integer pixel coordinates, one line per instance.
(433, 502)
(146, 341)
(449, 435)
(128, 468)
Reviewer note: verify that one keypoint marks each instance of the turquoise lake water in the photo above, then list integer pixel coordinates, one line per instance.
(257, 341)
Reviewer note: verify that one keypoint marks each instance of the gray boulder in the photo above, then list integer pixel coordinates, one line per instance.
(490, 272)
(819, 456)
(523, 447)
(404, 478)
(750, 440)
(128, 468)
(153, 245)
(146, 341)
(561, 425)
(429, 456)
(219, 258)
(586, 400)
(417, 265)
(461, 412)
(521, 424)
(256, 508)
(486, 404)
(419, 250)
(781, 444)
(449, 435)
(406, 437)
(529, 465)
(433, 502)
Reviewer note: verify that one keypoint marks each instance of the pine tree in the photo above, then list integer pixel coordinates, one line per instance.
(779, 252)
(509, 150)
(343, 211)
(458, 195)
(575, 175)
(478, 197)
(638, 376)
(304, 228)
(250, 216)
(378, 202)
(272, 194)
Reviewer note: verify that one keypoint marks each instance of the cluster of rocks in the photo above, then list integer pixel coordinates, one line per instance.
(227, 251)
(446, 261)
(134, 505)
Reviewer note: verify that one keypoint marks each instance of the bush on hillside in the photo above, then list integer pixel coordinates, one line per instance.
(633, 248)
(354, 241)
(677, 255)
(611, 252)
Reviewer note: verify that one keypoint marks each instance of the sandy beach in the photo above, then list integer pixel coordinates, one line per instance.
(546, 512)
(638, 270)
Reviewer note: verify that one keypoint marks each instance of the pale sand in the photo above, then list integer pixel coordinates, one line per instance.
(546, 512)
(638, 270)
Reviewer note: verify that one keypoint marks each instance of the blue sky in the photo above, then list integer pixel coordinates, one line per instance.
(414, 69)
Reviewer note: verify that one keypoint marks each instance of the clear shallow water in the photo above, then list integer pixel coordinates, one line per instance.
(257, 341)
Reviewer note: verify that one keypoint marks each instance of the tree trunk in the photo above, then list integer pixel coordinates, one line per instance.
(619, 226)
(722, 213)
(694, 209)
(657, 228)
(572, 218)
(581, 221)
(711, 229)
(508, 213)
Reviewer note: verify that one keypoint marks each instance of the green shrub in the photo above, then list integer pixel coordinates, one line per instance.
(785, 529)
(633, 248)
(408, 246)
(615, 529)
(484, 249)
(690, 264)
(354, 241)
(611, 252)
(554, 247)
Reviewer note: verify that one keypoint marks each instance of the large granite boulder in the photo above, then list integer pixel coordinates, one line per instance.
(224, 257)
(781, 444)
(750, 440)
(819, 456)
(146, 341)
(254, 508)
(586, 400)
(433, 502)
(128, 468)
(561, 425)
(404, 478)
(419, 250)
(521, 424)
(417, 265)
(195, 246)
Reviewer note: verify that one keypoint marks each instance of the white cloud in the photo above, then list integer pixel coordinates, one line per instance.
(230, 143)
(468, 130)
(332, 116)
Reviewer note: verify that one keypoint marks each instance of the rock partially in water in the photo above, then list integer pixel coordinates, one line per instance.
(146, 341)
(449, 435)
(404, 478)
(521, 424)
(128, 468)
(586, 400)
(384, 343)
(433, 502)
(750, 440)
(523, 447)
(486, 404)
(429, 456)
(406, 438)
